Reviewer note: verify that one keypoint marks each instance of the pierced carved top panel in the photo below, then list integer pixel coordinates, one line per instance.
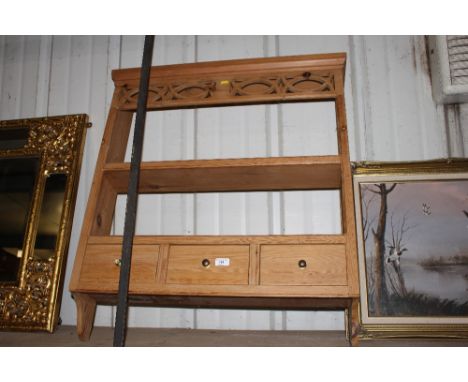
(303, 86)
(277, 79)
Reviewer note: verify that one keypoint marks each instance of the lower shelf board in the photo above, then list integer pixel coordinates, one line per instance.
(231, 291)
(216, 302)
(222, 239)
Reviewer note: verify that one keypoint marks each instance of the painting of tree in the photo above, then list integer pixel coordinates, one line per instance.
(416, 247)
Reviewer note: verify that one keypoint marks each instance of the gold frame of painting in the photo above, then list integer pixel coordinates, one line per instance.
(403, 284)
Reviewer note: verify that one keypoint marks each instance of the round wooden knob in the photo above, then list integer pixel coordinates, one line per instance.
(118, 262)
(206, 263)
(302, 264)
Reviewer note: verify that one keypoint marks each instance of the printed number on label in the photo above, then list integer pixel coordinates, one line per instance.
(222, 262)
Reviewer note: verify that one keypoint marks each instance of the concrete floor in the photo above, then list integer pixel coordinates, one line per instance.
(66, 336)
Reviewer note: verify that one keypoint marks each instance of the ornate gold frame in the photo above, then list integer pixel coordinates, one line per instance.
(390, 327)
(34, 303)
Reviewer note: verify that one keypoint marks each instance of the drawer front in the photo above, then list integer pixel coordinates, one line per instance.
(100, 271)
(208, 264)
(303, 264)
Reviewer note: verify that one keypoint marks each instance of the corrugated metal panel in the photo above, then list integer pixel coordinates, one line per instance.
(395, 109)
(391, 116)
(464, 128)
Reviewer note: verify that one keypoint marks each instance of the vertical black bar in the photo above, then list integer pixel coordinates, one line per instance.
(132, 195)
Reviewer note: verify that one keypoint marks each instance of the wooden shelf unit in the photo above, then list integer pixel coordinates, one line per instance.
(262, 271)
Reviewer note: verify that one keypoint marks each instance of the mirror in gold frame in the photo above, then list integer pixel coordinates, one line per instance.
(40, 161)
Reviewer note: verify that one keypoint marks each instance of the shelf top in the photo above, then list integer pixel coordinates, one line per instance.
(235, 67)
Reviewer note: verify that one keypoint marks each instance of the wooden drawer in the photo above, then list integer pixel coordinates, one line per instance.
(199, 264)
(323, 264)
(101, 273)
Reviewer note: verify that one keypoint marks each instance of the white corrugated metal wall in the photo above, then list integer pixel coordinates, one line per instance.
(391, 116)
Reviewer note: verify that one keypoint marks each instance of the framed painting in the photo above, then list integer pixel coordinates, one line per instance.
(40, 161)
(412, 230)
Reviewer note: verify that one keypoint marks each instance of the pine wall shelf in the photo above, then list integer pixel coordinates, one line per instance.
(267, 271)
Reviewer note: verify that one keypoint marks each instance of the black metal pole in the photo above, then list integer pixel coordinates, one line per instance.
(132, 196)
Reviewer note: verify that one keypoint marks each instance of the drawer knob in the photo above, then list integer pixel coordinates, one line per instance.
(118, 262)
(206, 263)
(302, 264)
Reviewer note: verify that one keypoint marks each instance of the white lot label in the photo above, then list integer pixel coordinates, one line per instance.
(222, 262)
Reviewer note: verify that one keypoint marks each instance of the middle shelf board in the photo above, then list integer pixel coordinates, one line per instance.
(220, 175)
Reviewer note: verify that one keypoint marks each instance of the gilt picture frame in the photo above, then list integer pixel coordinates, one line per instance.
(412, 233)
(40, 160)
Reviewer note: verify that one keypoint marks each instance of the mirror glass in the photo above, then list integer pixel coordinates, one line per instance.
(13, 138)
(17, 181)
(50, 217)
